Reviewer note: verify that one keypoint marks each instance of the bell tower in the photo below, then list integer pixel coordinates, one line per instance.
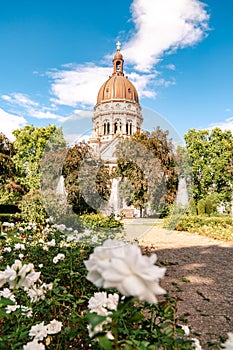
(117, 111)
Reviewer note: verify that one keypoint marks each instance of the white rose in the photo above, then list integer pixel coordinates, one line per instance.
(54, 327)
(39, 331)
(122, 266)
(34, 345)
(228, 345)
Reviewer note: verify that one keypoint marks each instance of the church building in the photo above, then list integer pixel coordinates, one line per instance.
(117, 113)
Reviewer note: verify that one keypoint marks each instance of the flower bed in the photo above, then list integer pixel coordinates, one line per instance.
(219, 227)
(61, 289)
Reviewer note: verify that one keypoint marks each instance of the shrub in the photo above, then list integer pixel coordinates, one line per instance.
(201, 207)
(192, 208)
(31, 207)
(219, 227)
(93, 221)
(209, 208)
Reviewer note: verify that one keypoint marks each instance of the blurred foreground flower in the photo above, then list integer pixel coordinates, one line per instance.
(122, 266)
(228, 345)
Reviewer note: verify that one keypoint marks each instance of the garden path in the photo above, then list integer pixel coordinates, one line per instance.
(199, 272)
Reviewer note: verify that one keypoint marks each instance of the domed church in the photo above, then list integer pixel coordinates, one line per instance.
(117, 114)
(117, 111)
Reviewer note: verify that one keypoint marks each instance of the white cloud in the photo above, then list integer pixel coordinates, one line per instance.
(19, 99)
(10, 122)
(225, 125)
(170, 66)
(142, 82)
(78, 85)
(164, 82)
(227, 110)
(163, 26)
(31, 108)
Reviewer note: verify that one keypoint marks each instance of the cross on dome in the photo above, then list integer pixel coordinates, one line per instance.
(118, 45)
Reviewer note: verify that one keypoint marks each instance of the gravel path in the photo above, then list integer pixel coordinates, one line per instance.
(199, 272)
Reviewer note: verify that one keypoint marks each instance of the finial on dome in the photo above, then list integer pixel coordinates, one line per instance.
(118, 45)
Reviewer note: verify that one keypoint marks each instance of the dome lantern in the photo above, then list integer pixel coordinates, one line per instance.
(117, 87)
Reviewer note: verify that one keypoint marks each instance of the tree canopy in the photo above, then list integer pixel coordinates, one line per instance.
(30, 144)
(146, 164)
(211, 156)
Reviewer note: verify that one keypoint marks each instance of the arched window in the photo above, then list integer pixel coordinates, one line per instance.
(118, 66)
(129, 127)
(106, 127)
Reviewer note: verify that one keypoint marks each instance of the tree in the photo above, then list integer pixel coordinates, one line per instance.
(9, 188)
(87, 180)
(211, 156)
(146, 162)
(30, 144)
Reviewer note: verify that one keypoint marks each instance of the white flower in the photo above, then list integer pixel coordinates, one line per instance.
(185, 329)
(6, 293)
(28, 276)
(58, 257)
(19, 275)
(7, 249)
(21, 256)
(112, 301)
(34, 345)
(19, 246)
(54, 327)
(39, 331)
(40, 266)
(11, 308)
(60, 227)
(94, 239)
(51, 243)
(10, 275)
(3, 278)
(196, 344)
(41, 240)
(98, 303)
(47, 286)
(26, 311)
(229, 343)
(8, 224)
(35, 294)
(122, 266)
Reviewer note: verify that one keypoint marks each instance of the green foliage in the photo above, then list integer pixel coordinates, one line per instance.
(87, 180)
(10, 190)
(209, 207)
(31, 207)
(201, 207)
(135, 325)
(30, 145)
(146, 164)
(219, 227)
(93, 221)
(211, 156)
(192, 208)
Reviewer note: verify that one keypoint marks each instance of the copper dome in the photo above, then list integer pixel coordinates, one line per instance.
(117, 87)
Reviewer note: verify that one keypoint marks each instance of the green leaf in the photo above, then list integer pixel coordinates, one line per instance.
(105, 343)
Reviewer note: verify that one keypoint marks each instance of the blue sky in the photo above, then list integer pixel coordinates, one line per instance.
(56, 54)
